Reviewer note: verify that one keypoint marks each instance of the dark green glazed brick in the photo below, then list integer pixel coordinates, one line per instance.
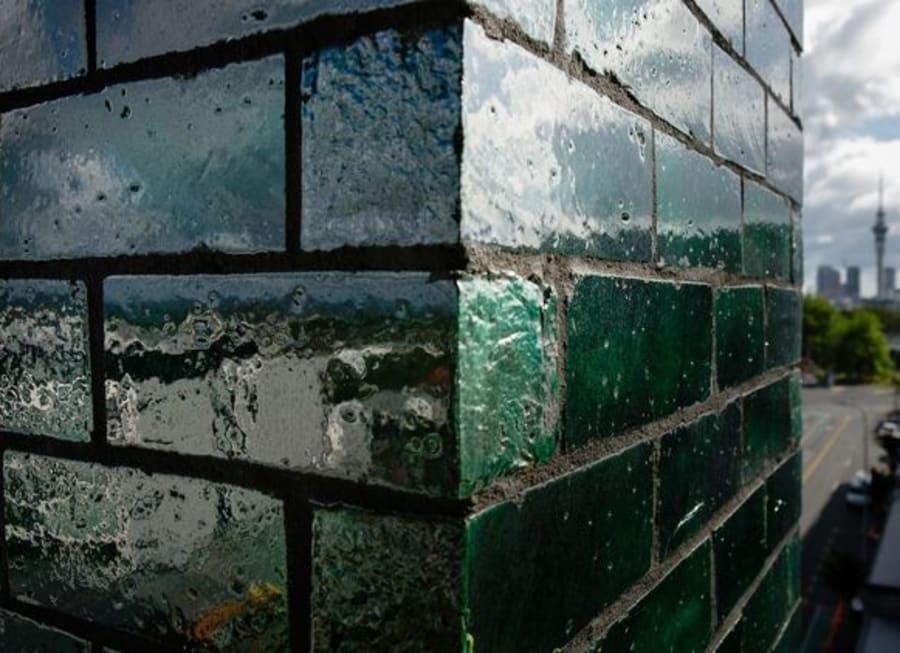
(732, 641)
(674, 616)
(538, 570)
(783, 326)
(783, 490)
(767, 426)
(698, 208)
(637, 351)
(792, 637)
(18, 634)
(740, 551)
(768, 237)
(796, 399)
(507, 377)
(770, 606)
(384, 583)
(739, 335)
(699, 470)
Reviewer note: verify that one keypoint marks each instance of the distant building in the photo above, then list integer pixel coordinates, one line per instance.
(852, 287)
(890, 282)
(828, 282)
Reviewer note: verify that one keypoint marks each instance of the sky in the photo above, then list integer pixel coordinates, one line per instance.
(851, 119)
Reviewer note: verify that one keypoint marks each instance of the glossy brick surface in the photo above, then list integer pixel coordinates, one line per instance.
(739, 334)
(738, 113)
(740, 550)
(767, 233)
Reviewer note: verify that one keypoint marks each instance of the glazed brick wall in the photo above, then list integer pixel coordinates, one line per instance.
(400, 325)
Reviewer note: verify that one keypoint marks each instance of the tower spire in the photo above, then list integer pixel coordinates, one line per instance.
(880, 230)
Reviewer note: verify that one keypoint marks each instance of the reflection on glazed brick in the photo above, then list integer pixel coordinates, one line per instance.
(784, 326)
(740, 551)
(128, 30)
(739, 335)
(698, 209)
(380, 120)
(657, 49)
(793, 14)
(769, 47)
(797, 250)
(18, 634)
(699, 470)
(531, 175)
(180, 560)
(536, 17)
(739, 113)
(45, 383)
(507, 377)
(169, 165)
(783, 490)
(384, 583)
(540, 568)
(674, 616)
(340, 373)
(728, 18)
(41, 41)
(768, 239)
(784, 162)
(767, 426)
(637, 351)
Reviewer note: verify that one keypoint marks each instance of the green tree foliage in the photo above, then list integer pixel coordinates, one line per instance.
(821, 321)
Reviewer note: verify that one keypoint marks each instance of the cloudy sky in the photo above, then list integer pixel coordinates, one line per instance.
(851, 114)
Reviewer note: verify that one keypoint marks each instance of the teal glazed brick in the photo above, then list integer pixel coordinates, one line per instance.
(674, 616)
(659, 50)
(739, 106)
(699, 470)
(795, 392)
(537, 17)
(128, 30)
(728, 17)
(385, 583)
(45, 377)
(158, 166)
(740, 344)
(531, 175)
(160, 555)
(771, 605)
(18, 633)
(637, 351)
(41, 41)
(784, 499)
(769, 47)
(797, 250)
(380, 120)
(767, 426)
(784, 326)
(698, 209)
(507, 379)
(768, 238)
(539, 569)
(784, 153)
(740, 551)
(340, 374)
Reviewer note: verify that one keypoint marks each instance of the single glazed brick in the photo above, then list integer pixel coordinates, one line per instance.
(767, 426)
(699, 470)
(26, 636)
(795, 393)
(41, 41)
(673, 616)
(739, 335)
(793, 14)
(783, 496)
(637, 351)
(128, 30)
(740, 551)
(507, 379)
(334, 373)
(769, 47)
(541, 568)
(659, 50)
(728, 18)
(396, 95)
(772, 603)
(531, 176)
(160, 555)
(797, 251)
(784, 160)
(767, 234)
(738, 113)
(698, 209)
(158, 166)
(784, 326)
(792, 637)
(45, 378)
(536, 17)
(385, 583)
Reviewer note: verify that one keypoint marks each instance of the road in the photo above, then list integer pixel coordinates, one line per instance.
(835, 422)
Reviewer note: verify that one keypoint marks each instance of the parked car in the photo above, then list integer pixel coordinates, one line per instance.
(858, 494)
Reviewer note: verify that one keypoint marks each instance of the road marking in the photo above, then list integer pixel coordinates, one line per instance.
(832, 440)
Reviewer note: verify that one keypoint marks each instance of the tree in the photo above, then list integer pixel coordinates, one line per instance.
(821, 324)
(861, 352)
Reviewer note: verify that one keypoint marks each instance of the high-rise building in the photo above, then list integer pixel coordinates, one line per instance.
(828, 282)
(890, 282)
(880, 230)
(852, 287)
